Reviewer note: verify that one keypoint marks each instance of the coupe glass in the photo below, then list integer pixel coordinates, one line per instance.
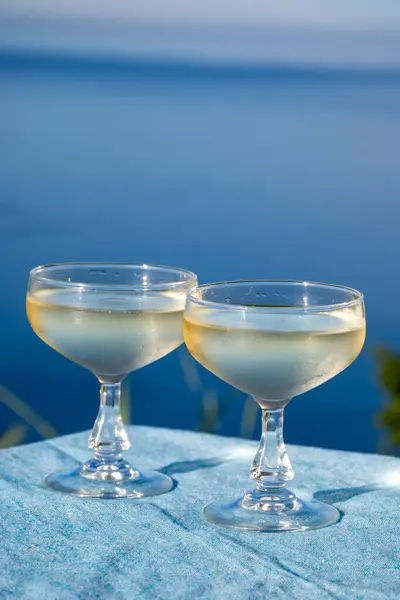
(111, 319)
(273, 340)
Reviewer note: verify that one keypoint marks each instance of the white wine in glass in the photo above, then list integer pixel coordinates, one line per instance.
(111, 319)
(138, 329)
(273, 340)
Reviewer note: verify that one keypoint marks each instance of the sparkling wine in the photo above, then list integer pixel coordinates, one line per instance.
(109, 333)
(274, 356)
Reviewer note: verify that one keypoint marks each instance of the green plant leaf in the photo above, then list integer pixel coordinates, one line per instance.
(13, 436)
(126, 402)
(389, 378)
(26, 413)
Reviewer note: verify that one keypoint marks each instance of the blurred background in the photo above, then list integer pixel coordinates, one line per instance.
(239, 140)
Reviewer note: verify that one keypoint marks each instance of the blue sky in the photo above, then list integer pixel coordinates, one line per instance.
(355, 33)
(332, 13)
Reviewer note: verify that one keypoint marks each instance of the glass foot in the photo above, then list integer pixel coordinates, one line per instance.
(117, 480)
(248, 514)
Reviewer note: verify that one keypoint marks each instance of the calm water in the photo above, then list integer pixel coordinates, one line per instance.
(272, 174)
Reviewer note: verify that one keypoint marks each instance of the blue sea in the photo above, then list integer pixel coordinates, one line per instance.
(243, 172)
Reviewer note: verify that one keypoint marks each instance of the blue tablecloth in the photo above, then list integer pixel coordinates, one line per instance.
(57, 547)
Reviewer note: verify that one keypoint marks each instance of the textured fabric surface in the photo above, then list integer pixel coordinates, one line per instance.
(57, 547)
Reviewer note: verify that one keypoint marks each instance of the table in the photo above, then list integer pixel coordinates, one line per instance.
(56, 547)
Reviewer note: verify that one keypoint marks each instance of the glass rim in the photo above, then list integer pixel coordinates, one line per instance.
(357, 299)
(35, 274)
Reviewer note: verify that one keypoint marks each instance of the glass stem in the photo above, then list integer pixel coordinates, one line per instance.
(271, 467)
(109, 437)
